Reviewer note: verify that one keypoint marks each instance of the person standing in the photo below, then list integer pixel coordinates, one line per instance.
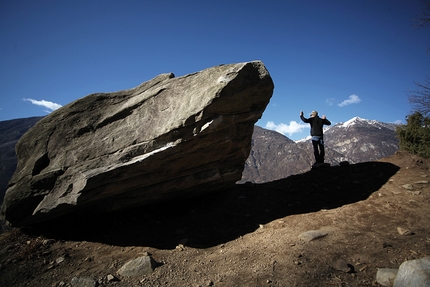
(317, 134)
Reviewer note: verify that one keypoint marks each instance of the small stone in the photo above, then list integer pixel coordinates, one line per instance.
(386, 276)
(180, 247)
(138, 267)
(408, 186)
(312, 235)
(422, 182)
(404, 231)
(59, 259)
(111, 278)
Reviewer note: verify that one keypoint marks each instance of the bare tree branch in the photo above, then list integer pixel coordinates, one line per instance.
(424, 19)
(420, 99)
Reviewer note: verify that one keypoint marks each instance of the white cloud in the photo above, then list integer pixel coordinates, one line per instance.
(398, 122)
(352, 99)
(47, 104)
(330, 101)
(292, 128)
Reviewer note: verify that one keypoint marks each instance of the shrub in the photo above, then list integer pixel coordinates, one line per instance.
(414, 137)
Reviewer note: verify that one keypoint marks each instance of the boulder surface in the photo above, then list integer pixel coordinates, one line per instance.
(167, 138)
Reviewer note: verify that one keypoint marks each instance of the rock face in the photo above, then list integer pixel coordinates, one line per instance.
(169, 137)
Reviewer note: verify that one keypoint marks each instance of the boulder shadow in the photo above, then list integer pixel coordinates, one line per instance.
(217, 218)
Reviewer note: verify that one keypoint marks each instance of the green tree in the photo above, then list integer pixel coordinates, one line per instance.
(415, 135)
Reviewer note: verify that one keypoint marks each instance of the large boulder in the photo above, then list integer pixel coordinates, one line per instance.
(169, 137)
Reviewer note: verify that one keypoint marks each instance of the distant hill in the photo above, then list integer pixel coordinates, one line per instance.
(274, 156)
(10, 132)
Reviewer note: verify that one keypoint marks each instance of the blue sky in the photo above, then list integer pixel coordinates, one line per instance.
(341, 58)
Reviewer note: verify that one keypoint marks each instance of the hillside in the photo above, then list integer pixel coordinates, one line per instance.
(247, 236)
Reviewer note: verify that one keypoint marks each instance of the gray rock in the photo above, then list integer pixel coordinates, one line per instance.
(386, 276)
(414, 273)
(408, 186)
(111, 278)
(83, 282)
(404, 231)
(144, 265)
(312, 235)
(167, 138)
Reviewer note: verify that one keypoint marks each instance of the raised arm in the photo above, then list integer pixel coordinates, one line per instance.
(303, 118)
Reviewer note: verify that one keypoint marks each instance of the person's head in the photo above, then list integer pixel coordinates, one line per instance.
(314, 113)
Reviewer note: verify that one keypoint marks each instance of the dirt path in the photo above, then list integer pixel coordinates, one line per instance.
(248, 236)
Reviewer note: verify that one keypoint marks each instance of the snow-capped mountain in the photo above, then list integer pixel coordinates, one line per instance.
(274, 156)
(357, 121)
(362, 140)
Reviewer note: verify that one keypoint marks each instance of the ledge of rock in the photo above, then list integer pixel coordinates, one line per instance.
(167, 138)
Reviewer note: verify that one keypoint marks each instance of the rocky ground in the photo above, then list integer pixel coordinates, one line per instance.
(374, 214)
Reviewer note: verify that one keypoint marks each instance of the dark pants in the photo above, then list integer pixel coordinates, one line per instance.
(319, 152)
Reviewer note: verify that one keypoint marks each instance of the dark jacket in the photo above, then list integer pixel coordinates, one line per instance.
(316, 124)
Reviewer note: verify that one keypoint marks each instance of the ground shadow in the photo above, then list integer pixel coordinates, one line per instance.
(220, 217)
